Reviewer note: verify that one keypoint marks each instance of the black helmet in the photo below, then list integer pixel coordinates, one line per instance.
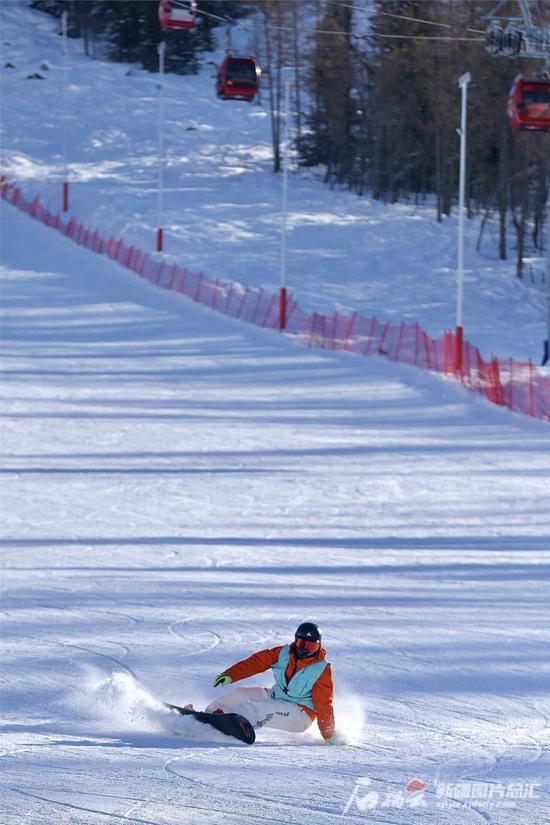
(307, 640)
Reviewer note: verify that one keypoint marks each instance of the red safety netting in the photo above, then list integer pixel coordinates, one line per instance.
(513, 384)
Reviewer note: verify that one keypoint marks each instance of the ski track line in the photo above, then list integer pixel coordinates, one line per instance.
(60, 769)
(411, 657)
(181, 757)
(129, 814)
(246, 795)
(483, 815)
(398, 721)
(441, 731)
(535, 703)
(497, 760)
(81, 808)
(98, 610)
(216, 640)
(251, 819)
(8, 754)
(115, 661)
(417, 724)
(117, 615)
(111, 659)
(201, 783)
(172, 629)
(507, 746)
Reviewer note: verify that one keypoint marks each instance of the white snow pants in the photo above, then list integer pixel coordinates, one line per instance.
(256, 705)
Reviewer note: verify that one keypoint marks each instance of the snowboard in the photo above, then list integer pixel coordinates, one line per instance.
(232, 724)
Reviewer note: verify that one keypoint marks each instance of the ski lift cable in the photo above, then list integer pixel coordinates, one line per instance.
(411, 19)
(183, 5)
(398, 16)
(426, 22)
(421, 37)
(373, 35)
(202, 13)
(225, 20)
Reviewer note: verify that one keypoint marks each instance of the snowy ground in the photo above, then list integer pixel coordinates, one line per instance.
(179, 489)
(223, 204)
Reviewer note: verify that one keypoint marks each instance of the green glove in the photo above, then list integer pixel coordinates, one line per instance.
(221, 679)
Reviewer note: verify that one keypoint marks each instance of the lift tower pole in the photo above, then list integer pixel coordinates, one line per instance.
(463, 81)
(64, 32)
(546, 353)
(286, 135)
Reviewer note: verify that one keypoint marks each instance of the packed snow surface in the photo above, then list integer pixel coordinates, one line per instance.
(179, 490)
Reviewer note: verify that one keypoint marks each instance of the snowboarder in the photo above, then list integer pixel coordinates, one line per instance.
(302, 692)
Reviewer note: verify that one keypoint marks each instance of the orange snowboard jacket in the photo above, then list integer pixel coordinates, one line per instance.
(323, 689)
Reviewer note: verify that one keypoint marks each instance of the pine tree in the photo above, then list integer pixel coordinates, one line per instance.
(330, 141)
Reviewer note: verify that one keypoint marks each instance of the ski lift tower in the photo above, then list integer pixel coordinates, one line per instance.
(526, 35)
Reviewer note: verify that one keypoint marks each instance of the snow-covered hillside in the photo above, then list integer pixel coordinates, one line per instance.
(223, 204)
(179, 489)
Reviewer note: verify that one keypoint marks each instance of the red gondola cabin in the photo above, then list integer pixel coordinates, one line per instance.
(177, 14)
(529, 104)
(238, 78)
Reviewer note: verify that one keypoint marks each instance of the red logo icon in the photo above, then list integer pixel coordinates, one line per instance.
(416, 785)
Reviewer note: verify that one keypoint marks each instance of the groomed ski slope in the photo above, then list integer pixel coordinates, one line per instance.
(179, 490)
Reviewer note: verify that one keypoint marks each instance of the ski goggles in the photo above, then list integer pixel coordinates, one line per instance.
(307, 645)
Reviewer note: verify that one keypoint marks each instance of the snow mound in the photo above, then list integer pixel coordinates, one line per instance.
(350, 715)
(120, 699)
